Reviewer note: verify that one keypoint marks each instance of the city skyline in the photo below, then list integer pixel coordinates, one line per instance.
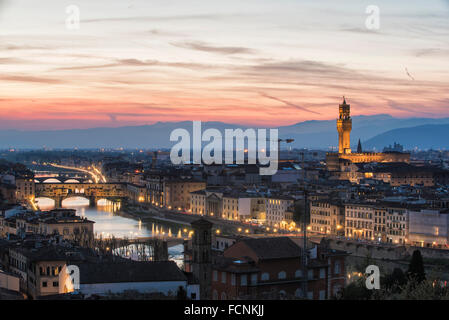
(258, 63)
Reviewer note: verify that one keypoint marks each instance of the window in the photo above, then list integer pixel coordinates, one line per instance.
(233, 279)
(223, 296)
(243, 280)
(254, 279)
(282, 275)
(298, 273)
(322, 295)
(310, 274)
(298, 293)
(223, 277)
(322, 273)
(44, 284)
(310, 295)
(337, 267)
(55, 284)
(265, 276)
(215, 275)
(215, 295)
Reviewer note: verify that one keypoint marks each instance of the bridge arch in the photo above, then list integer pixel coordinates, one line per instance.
(80, 200)
(45, 203)
(51, 180)
(71, 180)
(102, 202)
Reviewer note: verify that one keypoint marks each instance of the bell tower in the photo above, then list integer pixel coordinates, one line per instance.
(344, 126)
(202, 256)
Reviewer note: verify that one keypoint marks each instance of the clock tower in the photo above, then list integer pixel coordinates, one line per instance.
(344, 126)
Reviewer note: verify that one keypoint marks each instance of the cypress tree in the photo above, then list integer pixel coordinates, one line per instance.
(416, 267)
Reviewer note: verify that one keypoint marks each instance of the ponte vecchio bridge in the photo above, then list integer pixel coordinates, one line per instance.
(92, 191)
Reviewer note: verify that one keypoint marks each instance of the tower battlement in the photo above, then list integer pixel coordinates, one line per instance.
(344, 127)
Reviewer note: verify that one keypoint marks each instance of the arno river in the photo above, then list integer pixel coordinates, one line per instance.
(109, 223)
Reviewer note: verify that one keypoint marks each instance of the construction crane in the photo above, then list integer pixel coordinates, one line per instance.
(287, 140)
(153, 158)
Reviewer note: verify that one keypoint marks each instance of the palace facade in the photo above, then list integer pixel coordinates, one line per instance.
(337, 161)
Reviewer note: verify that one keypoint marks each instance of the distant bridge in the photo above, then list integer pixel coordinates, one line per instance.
(63, 179)
(91, 191)
(155, 248)
(171, 241)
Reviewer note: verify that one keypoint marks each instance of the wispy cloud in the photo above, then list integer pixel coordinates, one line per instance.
(201, 46)
(156, 18)
(164, 33)
(431, 52)
(131, 62)
(33, 79)
(294, 105)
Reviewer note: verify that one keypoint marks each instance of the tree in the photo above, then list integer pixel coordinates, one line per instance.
(430, 289)
(416, 267)
(395, 280)
(356, 291)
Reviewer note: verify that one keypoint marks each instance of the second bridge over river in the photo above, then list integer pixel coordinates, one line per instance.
(91, 191)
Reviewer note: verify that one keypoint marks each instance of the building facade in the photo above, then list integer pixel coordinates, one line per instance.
(327, 218)
(271, 268)
(429, 228)
(335, 160)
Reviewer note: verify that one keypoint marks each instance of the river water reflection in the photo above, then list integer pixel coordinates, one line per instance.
(109, 223)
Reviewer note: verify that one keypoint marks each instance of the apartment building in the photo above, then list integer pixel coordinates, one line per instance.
(177, 192)
(359, 221)
(38, 269)
(327, 217)
(217, 202)
(243, 205)
(25, 188)
(279, 210)
(270, 268)
(397, 222)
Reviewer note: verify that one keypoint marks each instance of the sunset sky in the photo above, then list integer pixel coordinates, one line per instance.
(252, 62)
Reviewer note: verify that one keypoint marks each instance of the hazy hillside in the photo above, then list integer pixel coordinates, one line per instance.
(423, 137)
(374, 131)
(323, 134)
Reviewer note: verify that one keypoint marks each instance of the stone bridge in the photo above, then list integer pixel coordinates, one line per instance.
(171, 241)
(91, 191)
(63, 179)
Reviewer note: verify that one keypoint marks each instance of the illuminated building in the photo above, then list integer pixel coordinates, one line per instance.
(337, 161)
(327, 218)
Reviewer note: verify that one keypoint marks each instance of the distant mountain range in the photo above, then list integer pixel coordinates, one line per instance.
(374, 131)
(423, 137)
